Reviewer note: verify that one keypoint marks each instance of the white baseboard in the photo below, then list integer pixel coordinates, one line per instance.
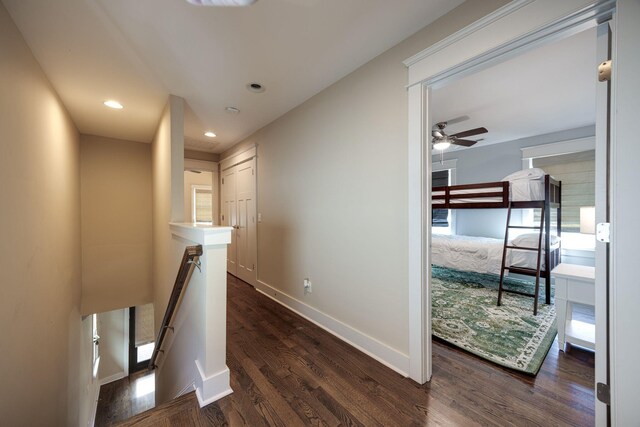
(212, 388)
(112, 378)
(381, 352)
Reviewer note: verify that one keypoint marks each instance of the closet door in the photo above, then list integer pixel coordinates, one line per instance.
(229, 215)
(246, 231)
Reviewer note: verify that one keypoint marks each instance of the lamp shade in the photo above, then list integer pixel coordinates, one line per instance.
(588, 220)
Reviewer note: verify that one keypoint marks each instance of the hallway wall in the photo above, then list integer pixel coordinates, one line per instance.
(332, 195)
(115, 181)
(40, 245)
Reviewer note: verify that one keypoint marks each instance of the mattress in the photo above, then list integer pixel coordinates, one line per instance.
(480, 254)
(467, 253)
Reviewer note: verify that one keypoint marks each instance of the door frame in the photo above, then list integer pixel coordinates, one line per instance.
(519, 26)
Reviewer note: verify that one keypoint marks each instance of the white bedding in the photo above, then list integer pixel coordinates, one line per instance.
(480, 254)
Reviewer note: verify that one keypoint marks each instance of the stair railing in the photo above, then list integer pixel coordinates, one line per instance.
(190, 259)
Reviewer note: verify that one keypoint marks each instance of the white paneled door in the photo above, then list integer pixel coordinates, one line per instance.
(229, 215)
(239, 203)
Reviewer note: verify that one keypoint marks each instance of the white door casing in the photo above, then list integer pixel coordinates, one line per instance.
(603, 52)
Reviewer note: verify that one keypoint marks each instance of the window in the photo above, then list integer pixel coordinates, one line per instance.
(573, 163)
(577, 171)
(141, 337)
(202, 203)
(442, 220)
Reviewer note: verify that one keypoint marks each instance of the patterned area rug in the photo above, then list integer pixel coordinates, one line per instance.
(464, 313)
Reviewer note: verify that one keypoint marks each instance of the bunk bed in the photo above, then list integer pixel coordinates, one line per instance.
(532, 254)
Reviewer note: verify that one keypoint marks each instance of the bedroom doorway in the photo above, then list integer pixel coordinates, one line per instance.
(432, 69)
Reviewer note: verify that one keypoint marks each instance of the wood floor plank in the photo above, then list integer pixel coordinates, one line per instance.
(286, 371)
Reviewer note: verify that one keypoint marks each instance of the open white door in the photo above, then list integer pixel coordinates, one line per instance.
(603, 103)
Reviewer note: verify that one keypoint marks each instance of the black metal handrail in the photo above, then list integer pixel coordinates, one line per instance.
(189, 260)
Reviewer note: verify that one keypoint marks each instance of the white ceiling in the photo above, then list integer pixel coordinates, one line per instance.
(139, 51)
(549, 89)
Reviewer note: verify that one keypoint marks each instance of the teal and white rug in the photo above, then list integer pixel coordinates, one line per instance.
(465, 314)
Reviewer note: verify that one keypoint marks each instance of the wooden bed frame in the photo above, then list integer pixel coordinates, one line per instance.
(500, 189)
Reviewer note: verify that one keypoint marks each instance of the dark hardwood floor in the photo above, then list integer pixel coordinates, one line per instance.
(124, 398)
(285, 371)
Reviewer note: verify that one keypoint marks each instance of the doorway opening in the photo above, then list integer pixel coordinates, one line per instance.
(438, 66)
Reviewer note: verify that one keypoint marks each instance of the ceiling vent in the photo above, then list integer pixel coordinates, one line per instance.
(232, 3)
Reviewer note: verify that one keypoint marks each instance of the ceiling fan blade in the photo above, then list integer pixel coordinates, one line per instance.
(463, 142)
(470, 132)
(457, 120)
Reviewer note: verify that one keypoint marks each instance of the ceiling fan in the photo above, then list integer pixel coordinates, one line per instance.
(442, 141)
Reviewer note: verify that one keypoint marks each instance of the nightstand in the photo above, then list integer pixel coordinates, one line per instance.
(574, 284)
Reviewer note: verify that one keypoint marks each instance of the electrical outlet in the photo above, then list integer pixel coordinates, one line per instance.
(307, 286)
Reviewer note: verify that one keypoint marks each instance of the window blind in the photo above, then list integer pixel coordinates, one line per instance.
(577, 172)
(144, 324)
(204, 208)
(440, 217)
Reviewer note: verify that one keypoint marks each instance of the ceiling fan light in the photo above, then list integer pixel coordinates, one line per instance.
(441, 145)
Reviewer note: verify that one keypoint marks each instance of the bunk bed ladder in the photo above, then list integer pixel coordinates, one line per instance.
(520, 270)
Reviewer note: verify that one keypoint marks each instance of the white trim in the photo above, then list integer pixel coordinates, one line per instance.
(419, 227)
(125, 356)
(236, 159)
(212, 388)
(467, 31)
(558, 148)
(201, 165)
(533, 24)
(381, 352)
(111, 378)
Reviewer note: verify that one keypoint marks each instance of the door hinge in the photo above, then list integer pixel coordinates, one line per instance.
(603, 232)
(604, 71)
(222, 181)
(603, 393)
(223, 217)
(254, 267)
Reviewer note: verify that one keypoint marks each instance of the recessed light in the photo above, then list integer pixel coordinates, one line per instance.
(210, 134)
(113, 104)
(255, 87)
(232, 110)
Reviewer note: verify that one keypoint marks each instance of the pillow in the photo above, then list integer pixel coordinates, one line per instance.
(525, 174)
(530, 240)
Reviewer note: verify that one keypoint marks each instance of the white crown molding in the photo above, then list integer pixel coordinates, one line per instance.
(236, 159)
(467, 31)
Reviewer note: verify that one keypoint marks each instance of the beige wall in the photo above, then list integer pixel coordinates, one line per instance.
(201, 155)
(40, 245)
(332, 191)
(115, 181)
